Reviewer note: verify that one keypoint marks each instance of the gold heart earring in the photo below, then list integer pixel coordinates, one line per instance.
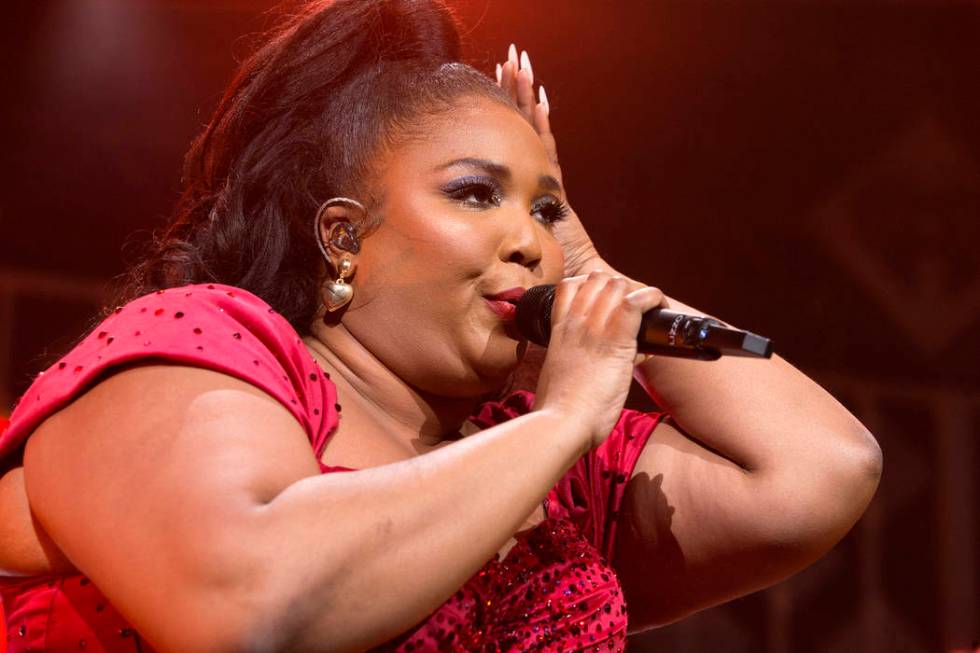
(338, 294)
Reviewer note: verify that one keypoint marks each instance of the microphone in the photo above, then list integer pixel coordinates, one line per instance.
(662, 332)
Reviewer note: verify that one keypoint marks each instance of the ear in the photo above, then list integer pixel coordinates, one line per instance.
(337, 230)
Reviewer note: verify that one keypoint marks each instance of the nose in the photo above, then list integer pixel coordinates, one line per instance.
(521, 242)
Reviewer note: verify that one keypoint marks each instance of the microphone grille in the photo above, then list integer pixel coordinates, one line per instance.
(533, 317)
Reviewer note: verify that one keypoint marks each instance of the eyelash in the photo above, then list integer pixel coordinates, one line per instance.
(553, 210)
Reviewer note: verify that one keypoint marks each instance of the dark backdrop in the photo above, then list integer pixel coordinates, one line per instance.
(806, 170)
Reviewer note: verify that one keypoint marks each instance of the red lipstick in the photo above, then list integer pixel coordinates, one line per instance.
(503, 303)
(510, 295)
(505, 310)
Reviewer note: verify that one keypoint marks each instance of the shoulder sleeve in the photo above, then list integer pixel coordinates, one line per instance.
(609, 467)
(591, 491)
(213, 326)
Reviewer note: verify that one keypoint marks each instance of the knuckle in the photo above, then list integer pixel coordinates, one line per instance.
(564, 287)
(573, 321)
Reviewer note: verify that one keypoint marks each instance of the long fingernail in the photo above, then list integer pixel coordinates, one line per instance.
(500, 72)
(526, 65)
(512, 54)
(543, 99)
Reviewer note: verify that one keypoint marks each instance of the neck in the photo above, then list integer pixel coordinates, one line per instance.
(365, 385)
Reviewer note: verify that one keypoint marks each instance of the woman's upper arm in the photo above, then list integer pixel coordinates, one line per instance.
(150, 481)
(695, 529)
(25, 548)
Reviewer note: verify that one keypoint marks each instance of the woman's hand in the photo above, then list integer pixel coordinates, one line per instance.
(517, 78)
(589, 365)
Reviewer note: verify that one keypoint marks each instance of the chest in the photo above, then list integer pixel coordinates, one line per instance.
(554, 592)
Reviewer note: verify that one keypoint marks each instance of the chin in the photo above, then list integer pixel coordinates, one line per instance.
(485, 365)
(498, 362)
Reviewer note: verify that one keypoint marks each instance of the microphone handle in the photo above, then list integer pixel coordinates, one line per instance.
(662, 332)
(680, 335)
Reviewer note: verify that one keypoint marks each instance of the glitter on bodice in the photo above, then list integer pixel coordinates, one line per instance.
(552, 592)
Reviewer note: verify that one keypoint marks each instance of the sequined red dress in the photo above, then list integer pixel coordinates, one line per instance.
(554, 591)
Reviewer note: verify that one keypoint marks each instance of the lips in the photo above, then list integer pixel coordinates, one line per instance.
(504, 310)
(504, 304)
(511, 295)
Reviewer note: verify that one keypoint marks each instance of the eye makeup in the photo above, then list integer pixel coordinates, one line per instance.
(551, 208)
(480, 192)
(484, 190)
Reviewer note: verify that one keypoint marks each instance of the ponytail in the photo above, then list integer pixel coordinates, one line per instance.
(302, 121)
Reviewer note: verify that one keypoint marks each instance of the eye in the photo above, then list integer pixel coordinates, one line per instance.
(477, 192)
(551, 209)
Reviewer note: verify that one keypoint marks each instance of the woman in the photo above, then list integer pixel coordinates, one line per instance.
(288, 431)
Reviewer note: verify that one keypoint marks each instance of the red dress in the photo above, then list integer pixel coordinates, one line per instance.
(554, 591)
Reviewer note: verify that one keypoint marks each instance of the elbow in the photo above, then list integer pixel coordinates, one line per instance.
(856, 481)
(243, 603)
(286, 611)
(849, 483)
(877, 457)
(256, 616)
(849, 465)
(866, 462)
(814, 504)
(244, 623)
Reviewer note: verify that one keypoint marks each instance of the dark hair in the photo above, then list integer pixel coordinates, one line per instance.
(301, 122)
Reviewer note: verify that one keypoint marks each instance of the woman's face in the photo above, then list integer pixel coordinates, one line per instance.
(466, 211)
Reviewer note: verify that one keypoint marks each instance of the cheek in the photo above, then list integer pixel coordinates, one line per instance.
(453, 248)
(422, 244)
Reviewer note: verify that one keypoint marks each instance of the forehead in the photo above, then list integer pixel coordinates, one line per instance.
(475, 128)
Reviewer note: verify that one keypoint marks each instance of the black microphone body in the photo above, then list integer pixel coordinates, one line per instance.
(662, 331)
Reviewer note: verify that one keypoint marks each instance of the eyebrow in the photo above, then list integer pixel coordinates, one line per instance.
(544, 181)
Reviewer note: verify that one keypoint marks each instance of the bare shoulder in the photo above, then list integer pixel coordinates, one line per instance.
(160, 416)
(148, 426)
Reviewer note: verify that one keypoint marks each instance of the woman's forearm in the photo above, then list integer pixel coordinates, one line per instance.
(763, 414)
(402, 538)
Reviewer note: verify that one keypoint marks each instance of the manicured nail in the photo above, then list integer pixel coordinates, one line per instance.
(500, 72)
(526, 65)
(512, 54)
(543, 99)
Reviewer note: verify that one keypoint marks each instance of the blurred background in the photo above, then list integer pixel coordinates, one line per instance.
(806, 170)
